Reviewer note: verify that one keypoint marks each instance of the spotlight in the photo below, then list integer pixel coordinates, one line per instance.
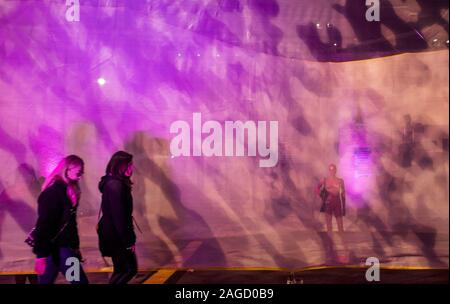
(435, 42)
(101, 81)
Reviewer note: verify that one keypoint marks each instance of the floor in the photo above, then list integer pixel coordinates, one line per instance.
(320, 275)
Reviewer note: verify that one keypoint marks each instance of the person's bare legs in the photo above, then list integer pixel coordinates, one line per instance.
(328, 219)
(340, 223)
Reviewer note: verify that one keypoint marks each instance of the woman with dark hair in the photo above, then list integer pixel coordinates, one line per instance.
(115, 228)
(55, 237)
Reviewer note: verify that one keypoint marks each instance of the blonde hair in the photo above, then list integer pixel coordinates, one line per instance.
(60, 173)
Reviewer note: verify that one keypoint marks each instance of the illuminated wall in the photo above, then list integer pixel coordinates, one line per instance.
(121, 75)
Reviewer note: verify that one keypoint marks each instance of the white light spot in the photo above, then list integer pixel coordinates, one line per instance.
(101, 81)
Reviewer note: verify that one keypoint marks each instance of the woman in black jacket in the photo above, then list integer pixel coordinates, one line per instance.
(56, 240)
(115, 228)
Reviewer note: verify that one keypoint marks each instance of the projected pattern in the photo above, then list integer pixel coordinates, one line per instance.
(122, 74)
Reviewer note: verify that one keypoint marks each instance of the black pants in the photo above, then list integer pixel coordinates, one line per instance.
(125, 267)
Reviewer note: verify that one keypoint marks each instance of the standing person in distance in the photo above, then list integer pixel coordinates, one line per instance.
(332, 191)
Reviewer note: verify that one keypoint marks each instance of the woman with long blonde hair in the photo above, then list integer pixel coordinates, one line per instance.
(56, 237)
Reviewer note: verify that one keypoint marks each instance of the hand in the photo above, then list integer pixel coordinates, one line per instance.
(40, 265)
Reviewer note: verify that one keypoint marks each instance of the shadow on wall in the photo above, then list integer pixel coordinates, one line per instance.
(287, 198)
(430, 13)
(20, 211)
(402, 221)
(395, 183)
(371, 41)
(271, 34)
(153, 169)
(13, 146)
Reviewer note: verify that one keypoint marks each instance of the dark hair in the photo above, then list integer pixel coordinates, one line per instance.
(118, 164)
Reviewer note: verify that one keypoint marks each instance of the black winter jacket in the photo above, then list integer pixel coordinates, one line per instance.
(115, 228)
(55, 210)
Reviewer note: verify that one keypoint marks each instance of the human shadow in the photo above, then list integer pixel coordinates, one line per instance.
(287, 198)
(402, 222)
(21, 212)
(151, 164)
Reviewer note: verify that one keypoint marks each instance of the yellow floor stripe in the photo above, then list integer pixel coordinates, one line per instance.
(172, 270)
(160, 276)
(164, 274)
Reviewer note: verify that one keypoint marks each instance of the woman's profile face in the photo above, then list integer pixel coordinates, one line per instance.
(75, 172)
(129, 170)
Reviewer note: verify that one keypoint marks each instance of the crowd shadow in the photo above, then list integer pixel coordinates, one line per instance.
(152, 164)
(372, 42)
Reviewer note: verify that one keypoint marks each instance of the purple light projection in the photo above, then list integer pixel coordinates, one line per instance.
(356, 163)
(117, 76)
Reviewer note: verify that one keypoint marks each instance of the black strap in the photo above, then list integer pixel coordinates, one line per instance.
(59, 232)
(72, 212)
(99, 213)
(136, 224)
